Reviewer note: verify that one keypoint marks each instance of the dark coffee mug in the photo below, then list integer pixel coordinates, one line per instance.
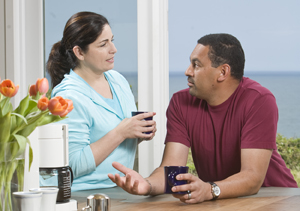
(170, 178)
(134, 113)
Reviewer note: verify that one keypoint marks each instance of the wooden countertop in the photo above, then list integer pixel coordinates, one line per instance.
(268, 198)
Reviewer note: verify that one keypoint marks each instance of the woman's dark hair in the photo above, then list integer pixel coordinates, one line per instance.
(225, 49)
(82, 29)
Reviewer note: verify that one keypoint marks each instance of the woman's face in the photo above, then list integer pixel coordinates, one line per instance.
(99, 56)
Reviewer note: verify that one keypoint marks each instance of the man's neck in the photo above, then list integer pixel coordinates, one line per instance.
(223, 92)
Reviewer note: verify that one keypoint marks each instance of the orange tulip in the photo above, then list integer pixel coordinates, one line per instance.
(8, 88)
(58, 106)
(32, 90)
(43, 103)
(69, 109)
(42, 85)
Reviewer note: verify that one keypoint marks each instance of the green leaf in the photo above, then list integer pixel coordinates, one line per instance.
(49, 118)
(22, 108)
(21, 140)
(5, 123)
(33, 114)
(13, 124)
(32, 107)
(28, 129)
(30, 153)
(19, 115)
(48, 94)
(5, 106)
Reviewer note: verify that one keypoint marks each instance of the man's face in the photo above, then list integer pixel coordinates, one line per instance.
(202, 77)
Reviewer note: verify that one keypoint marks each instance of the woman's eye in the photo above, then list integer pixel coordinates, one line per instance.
(112, 40)
(103, 45)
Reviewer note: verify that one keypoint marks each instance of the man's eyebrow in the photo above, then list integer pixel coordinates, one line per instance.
(195, 60)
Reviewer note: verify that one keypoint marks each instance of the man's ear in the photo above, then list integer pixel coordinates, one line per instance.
(78, 52)
(224, 72)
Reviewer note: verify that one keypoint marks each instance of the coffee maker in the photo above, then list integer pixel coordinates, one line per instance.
(54, 170)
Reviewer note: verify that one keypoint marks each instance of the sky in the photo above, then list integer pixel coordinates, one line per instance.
(269, 30)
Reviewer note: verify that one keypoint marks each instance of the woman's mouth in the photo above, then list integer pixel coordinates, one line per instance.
(111, 60)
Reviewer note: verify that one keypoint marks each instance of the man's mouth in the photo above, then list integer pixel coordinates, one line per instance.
(190, 82)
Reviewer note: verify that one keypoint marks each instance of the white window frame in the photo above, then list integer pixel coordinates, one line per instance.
(153, 76)
(2, 39)
(22, 61)
(23, 44)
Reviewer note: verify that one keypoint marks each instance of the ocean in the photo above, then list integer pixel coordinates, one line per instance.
(284, 85)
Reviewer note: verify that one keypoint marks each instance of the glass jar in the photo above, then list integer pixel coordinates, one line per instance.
(61, 177)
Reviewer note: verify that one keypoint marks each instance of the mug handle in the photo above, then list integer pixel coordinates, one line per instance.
(71, 175)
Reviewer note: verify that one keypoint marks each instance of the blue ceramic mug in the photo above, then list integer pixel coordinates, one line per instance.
(170, 178)
(133, 113)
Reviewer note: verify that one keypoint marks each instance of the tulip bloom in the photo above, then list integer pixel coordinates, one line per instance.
(43, 103)
(69, 109)
(32, 90)
(42, 85)
(58, 106)
(8, 88)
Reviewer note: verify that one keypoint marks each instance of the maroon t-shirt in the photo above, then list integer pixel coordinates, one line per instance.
(216, 134)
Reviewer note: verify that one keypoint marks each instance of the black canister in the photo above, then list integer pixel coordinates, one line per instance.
(61, 177)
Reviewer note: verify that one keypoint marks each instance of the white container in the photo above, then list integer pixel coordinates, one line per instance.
(27, 201)
(48, 198)
(53, 146)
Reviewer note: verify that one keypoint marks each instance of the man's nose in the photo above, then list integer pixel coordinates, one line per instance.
(188, 71)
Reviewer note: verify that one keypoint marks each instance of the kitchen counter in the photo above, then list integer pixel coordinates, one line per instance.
(268, 198)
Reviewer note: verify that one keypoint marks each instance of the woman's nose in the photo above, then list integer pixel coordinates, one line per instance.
(113, 48)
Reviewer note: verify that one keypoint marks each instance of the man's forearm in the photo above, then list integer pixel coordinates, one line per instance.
(240, 184)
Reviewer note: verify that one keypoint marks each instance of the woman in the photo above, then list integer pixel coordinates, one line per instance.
(101, 129)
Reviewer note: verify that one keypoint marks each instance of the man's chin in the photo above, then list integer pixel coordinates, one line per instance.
(191, 92)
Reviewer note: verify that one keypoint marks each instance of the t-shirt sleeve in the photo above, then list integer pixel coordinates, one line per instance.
(260, 128)
(176, 122)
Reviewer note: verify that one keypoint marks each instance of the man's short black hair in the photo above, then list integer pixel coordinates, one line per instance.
(225, 49)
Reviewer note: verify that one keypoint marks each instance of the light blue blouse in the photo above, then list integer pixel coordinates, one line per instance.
(90, 120)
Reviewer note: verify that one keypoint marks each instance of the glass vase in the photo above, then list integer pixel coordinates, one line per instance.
(11, 173)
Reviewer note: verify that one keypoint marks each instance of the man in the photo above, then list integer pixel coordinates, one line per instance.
(230, 123)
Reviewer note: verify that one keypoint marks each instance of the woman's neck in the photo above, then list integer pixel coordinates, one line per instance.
(96, 80)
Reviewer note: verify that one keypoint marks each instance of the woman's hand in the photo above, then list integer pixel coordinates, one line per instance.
(137, 127)
(133, 182)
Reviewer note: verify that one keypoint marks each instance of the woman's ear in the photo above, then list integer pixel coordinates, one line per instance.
(224, 72)
(78, 52)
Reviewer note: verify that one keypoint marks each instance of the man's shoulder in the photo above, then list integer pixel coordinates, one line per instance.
(250, 85)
